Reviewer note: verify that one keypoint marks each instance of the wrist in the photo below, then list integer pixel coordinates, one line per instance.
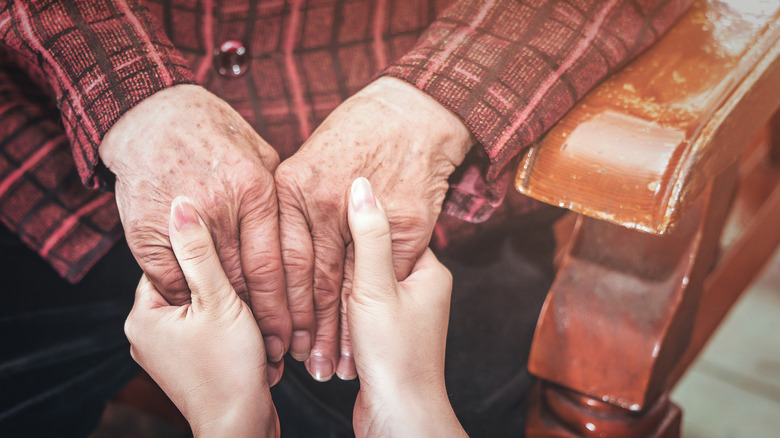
(423, 117)
(418, 413)
(139, 118)
(240, 420)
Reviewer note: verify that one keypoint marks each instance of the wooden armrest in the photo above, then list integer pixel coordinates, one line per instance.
(656, 148)
(640, 147)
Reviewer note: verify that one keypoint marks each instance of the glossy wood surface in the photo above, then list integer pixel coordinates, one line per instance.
(639, 149)
(593, 418)
(620, 312)
(615, 328)
(750, 238)
(656, 148)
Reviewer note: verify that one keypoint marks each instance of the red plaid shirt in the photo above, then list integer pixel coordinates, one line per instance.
(70, 69)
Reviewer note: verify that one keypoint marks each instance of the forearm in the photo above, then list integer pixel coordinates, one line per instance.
(242, 422)
(432, 417)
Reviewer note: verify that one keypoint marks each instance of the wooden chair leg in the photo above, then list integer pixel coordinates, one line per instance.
(557, 412)
(774, 147)
(617, 320)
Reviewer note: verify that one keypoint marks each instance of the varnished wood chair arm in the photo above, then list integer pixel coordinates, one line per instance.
(640, 147)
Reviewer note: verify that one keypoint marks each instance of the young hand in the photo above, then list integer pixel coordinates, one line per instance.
(398, 332)
(207, 355)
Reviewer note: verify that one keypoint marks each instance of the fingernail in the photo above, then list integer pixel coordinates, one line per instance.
(346, 369)
(320, 368)
(361, 194)
(184, 213)
(300, 345)
(274, 348)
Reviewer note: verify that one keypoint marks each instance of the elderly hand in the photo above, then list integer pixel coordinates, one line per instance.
(407, 144)
(207, 355)
(186, 140)
(398, 332)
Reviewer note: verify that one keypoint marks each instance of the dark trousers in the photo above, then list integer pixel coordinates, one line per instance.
(63, 352)
(62, 347)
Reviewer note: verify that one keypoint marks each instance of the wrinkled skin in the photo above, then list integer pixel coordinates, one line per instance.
(407, 145)
(186, 141)
(207, 355)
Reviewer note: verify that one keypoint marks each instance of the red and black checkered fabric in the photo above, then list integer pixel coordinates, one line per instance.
(510, 69)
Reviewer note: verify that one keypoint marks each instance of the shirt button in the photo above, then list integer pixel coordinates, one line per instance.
(231, 59)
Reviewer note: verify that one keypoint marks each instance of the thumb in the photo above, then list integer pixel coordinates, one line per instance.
(374, 275)
(194, 249)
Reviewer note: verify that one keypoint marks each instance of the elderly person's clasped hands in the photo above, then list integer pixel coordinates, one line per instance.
(208, 356)
(262, 258)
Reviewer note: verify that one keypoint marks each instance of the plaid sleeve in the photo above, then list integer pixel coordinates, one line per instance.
(101, 59)
(512, 68)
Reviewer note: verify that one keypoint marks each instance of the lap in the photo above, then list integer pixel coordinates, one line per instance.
(63, 352)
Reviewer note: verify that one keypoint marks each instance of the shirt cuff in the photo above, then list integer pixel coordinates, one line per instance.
(511, 69)
(101, 59)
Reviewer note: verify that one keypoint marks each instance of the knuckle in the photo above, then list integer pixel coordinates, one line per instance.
(264, 279)
(302, 318)
(285, 174)
(408, 250)
(289, 182)
(259, 193)
(271, 320)
(301, 312)
(294, 257)
(160, 265)
(268, 295)
(295, 263)
(172, 284)
(269, 157)
(300, 299)
(264, 257)
(410, 224)
(325, 299)
(146, 241)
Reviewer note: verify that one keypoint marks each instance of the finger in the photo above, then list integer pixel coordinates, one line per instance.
(370, 230)
(328, 273)
(155, 256)
(146, 232)
(346, 369)
(146, 299)
(147, 296)
(261, 261)
(298, 261)
(429, 265)
(432, 277)
(194, 249)
(411, 233)
(225, 235)
(274, 372)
